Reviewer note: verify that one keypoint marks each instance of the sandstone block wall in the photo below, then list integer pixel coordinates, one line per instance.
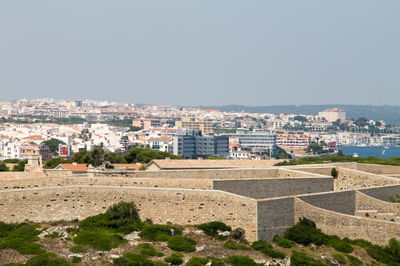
(274, 217)
(354, 179)
(276, 187)
(378, 169)
(342, 202)
(106, 181)
(178, 206)
(376, 231)
(365, 203)
(382, 193)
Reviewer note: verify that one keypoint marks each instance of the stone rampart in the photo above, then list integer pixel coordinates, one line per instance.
(178, 206)
(366, 203)
(106, 181)
(274, 187)
(355, 179)
(382, 193)
(342, 225)
(342, 202)
(275, 216)
(378, 168)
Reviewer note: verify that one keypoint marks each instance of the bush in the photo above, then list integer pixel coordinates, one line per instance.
(120, 218)
(359, 242)
(238, 234)
(76, 259)
(340, 258)
(283, 242)
(334, 173)
(212, 228)
(100, 240)
(182, 243)
(216, 262)
(132, 259)
(306, 232)
(273, 253)
(158, 232)
(302, 259)
(340, 245)
(78, 249)
(174, 259)
(354, 261)
(20, 237)
(148, 250)
(49, 259)
(233, 245)
(259, 245)
(240, 260)
(196, 261)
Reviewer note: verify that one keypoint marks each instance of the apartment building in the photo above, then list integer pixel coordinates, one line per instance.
(333, 114)
(206, 127)
(194, 145)
(146, 123)
(293, 140)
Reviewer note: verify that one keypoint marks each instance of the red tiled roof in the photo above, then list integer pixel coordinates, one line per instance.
(79, 167)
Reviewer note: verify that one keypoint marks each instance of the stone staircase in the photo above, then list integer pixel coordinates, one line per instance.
(374, 214)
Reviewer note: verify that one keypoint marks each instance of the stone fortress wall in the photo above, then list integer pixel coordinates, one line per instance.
(264, 202)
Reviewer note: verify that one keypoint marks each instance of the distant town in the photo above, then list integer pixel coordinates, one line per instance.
(61, 128)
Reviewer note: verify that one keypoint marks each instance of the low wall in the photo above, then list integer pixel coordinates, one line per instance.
(276, 187)
(365, 203)
(274, 217)
(57, 172)
(382, 193)
(178, 206)
(354, 179)
(342, 202)
(106, 181)
(378, 168)
(342, 225)
(20, 175)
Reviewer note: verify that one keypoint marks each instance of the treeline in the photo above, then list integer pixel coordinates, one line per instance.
(98, 156)
(334, 159)
(19, 165)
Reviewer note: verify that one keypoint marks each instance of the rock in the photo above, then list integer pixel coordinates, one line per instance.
(225, 233)
(115, 256)
(75, 255)
(200, 248)
(186, 231)
(199, 232)
(132, 236)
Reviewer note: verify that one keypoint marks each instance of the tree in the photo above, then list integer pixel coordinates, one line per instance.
(3, 167)
(53, 144)
(300, 118)
(125, 143)
(334, 173)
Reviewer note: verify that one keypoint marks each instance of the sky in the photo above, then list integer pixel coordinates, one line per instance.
(203, 52)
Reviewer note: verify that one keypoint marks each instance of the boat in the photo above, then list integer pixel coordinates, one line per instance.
(383, 151)
(355, 155)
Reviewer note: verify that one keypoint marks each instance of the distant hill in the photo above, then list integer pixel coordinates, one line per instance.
(390, 114)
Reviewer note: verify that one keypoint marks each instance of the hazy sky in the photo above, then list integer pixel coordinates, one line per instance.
(202, 52)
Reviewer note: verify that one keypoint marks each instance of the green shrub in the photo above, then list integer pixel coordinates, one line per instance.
(132, 259)
(197, 261)
(388, 254)
(233, 245)
(354, 261)
(212, 228)
(340, 258)
(340, 245)
(22, 246)
(302, 259)
(182, 243)
(76, 259)
(334, 173)
(174, 259)
(13, 264)
(240, 260)
(306, 232)
(121, 218)
(259, 245)
(273, 253)
(158, 232)
(100, 240)
(359, 242)
(78, 249)
(283, 242)
(72, 230)
(216, 261)
(49, 259)
(148, 250)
